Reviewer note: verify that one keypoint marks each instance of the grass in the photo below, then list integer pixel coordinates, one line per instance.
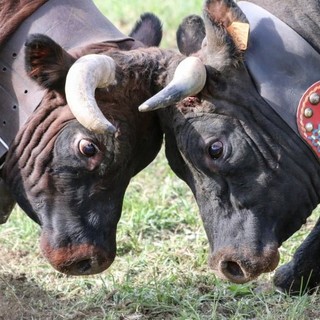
(161, 268)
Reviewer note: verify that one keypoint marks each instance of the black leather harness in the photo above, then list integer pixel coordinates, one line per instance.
(284, 67)
(68, 22)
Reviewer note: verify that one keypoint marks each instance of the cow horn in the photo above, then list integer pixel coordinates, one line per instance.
(85, 75)
(188, 80)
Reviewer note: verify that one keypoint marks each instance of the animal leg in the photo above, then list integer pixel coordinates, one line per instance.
(302, 273)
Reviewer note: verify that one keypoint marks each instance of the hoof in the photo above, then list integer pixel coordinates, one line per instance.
(289, 281)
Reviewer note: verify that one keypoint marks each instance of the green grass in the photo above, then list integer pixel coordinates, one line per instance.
(161, 268)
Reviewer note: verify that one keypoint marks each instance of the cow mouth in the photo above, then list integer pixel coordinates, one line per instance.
(77, 259)
(80, 260)
(240, 266)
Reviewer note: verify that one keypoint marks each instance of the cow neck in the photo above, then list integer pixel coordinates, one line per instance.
(285, 69)
(71, 24)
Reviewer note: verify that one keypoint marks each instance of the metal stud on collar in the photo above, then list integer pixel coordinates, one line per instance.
(308, 117)
(308, 113)
(314, 98)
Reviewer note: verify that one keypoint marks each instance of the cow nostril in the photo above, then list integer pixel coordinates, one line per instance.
(78, 260)
(83, 266)
(232, 271)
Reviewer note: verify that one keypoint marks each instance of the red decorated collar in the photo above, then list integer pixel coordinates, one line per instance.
(308, 117)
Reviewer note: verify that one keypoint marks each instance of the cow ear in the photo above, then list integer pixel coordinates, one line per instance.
(148, 30)
(227, 31)
(47, 62)
(190, 35)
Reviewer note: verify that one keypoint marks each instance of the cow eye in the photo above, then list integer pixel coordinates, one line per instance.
(215, 150)
(87, 148)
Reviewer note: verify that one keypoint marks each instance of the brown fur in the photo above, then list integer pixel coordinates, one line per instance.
(62, 258)
(13, 13)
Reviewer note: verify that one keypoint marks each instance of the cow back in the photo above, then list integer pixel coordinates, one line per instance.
(301, 16)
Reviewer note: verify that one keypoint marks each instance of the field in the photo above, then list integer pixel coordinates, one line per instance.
(161, 268)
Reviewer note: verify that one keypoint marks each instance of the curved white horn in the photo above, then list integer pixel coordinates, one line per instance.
(188, 80)
(85, 75)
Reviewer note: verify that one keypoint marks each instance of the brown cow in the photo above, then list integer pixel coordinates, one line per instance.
(64, 163)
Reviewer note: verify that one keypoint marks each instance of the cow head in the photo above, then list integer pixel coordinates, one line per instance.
(70, 164)
(255, 181)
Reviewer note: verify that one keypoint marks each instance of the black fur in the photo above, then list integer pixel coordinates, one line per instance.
(149, 24)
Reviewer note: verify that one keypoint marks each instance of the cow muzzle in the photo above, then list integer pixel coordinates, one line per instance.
(77, 259)
(241, 266)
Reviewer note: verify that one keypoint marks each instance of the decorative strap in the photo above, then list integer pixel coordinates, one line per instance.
(308, 117)
(284, 68)
(282, 64)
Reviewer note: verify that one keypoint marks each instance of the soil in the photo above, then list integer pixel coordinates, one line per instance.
(20, 295)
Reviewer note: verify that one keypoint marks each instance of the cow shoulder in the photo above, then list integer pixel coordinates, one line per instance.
(301, 16)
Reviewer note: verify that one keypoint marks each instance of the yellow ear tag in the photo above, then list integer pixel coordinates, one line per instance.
(239, 31)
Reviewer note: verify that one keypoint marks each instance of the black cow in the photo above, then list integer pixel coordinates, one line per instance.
(242, 144)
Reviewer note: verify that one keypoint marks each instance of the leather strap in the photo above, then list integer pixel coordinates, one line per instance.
(308, 117)
(71, 24)
(281, 63)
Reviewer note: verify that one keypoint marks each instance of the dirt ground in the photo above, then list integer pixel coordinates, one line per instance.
(20, 294)
(17, 295)
(24, 293)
